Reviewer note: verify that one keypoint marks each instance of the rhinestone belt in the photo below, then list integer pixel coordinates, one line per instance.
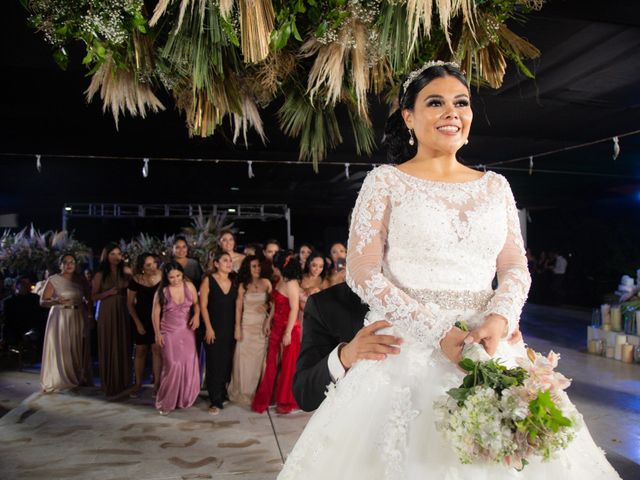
(452, 299)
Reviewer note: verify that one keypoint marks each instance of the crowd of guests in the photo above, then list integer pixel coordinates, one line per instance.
(549, 277)
(233, 325)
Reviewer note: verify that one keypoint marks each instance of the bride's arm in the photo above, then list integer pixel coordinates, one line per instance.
(514, 279)
(367, 240)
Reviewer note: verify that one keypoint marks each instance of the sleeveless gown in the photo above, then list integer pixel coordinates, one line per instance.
(66, 360)
(284, 388)
(422, 255)
(180, 378)
(222, 313)
(250, 351)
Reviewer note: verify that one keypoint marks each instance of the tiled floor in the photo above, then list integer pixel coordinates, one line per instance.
(83, 436)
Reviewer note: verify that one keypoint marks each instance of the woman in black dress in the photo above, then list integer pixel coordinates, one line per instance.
(142, 287)
(218, 306)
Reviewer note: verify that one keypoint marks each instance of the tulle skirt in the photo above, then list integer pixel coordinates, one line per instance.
(378, 423)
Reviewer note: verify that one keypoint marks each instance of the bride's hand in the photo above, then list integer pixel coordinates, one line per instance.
(489, 333)
(452, 344)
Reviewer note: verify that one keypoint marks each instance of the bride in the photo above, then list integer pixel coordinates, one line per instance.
(426, 240)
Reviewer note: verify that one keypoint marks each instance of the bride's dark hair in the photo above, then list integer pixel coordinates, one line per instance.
(396, 133)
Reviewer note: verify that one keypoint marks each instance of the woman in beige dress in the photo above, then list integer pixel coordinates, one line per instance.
(252, 308)
(114, 329)
(66, 360)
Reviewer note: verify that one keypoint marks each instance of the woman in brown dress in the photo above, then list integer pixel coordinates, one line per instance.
(114, 333)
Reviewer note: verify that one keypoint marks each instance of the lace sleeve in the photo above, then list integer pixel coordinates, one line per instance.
(514, 279)
(367, 240)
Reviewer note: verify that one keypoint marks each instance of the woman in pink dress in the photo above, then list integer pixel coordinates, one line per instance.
(180, 379)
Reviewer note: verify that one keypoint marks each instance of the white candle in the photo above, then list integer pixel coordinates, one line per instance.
(627, 353)
(620, 340)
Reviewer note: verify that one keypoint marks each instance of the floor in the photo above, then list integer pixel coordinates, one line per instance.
(83, 436)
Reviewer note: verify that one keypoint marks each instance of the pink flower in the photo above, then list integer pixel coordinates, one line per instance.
(541, 372)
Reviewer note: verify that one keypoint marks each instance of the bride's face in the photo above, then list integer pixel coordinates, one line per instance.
(441, 117)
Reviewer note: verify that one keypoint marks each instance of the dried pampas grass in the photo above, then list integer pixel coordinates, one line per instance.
(250, 118)
(121, 92)
(256, 25)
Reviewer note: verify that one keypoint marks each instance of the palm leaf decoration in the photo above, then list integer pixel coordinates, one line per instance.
(222, 61)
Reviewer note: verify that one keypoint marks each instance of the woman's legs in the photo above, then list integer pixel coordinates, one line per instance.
(138, 365)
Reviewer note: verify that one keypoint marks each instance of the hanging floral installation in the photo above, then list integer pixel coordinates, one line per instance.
(226, 60)
(30, 252)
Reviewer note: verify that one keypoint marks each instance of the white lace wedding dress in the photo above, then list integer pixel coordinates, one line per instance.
(423, 254)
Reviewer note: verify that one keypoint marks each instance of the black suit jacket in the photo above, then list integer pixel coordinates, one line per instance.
(331, 317)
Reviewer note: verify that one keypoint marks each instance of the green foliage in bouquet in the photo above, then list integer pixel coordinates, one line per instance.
(30, 252)
(487, 374)
(226, 60)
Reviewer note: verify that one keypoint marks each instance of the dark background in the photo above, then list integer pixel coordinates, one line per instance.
(586, 88)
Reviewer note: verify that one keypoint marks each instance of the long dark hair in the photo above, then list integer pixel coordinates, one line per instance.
(139, 269)
(288, 264)
(105, 267)
(312, 256)
(244, 273)
(215, 255)
(166, 269)
(396, 134)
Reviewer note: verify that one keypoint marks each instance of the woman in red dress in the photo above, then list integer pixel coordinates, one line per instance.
(283, 333)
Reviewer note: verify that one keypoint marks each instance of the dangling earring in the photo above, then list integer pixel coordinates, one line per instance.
(466, 142)
(411, 140)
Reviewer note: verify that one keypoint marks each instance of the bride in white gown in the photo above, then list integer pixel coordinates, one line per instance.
(426, 241)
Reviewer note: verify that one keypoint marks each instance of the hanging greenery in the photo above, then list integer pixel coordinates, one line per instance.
(224, 60)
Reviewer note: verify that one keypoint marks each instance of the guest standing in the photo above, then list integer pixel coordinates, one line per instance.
(218, 303)
(140, 293)
(191, 267)
(114, 336)
(253, 307)
(337, 273)
(66, 360)
(303, 254)
(313, 280)
(227, 243)
(285, 333)
(174, 330)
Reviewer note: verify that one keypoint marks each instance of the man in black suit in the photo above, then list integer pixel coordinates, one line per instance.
(333, 340)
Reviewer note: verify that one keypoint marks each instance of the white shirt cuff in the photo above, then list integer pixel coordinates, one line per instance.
(336, 370)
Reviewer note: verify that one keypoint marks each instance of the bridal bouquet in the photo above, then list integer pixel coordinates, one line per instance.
(508, 415)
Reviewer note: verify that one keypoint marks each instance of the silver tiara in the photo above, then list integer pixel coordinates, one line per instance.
(433, 63)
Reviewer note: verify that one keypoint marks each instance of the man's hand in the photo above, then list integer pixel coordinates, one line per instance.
(366, 345)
